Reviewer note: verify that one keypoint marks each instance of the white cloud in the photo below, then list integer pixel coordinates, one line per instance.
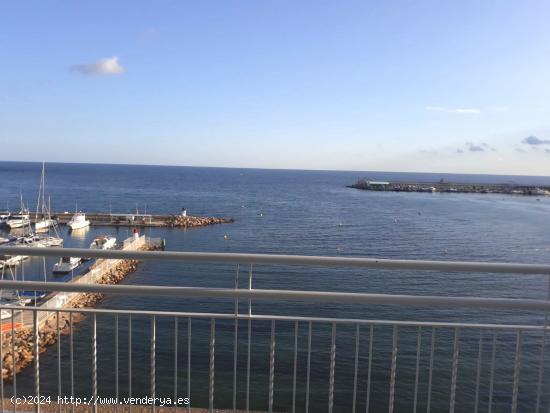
(453, 110)
(103, 67)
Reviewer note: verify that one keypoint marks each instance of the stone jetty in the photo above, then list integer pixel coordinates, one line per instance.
(452, 187)
(190, 222)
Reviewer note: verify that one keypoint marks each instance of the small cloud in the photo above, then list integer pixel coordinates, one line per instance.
(533, 140)
(476, 148)
(459, 151)
(428, 151)
(453, 110)
(547, 150)
(103, 67)
(520, 150)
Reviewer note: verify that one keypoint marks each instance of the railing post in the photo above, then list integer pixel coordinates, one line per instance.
(175, 359)
(153, 369)
(393, 369)
(235, 342)
(542, 348)
(454, 370)
(308, 365)
(36, 361)
(14, 370)
(250, 288)
(212, 370)
(271, 367)
(517, 367)
(369, 369)
(94, 362)
(332, 365)
(355, 368)
(417, 370)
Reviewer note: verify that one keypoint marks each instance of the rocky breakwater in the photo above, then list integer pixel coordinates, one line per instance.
(190, 221)
(19, 353)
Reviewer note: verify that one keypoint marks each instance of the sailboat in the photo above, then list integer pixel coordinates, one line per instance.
(19, 220)
(46, 221)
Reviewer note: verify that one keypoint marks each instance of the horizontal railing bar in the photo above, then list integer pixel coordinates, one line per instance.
(322, 261)
(305, 319)
(284, 295)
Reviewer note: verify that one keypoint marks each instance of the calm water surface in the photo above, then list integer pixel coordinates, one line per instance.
(311, 213)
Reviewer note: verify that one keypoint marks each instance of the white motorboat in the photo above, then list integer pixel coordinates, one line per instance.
(7, 261)
(78, 221)
(103, 242)
(19, 220)
(66, 264)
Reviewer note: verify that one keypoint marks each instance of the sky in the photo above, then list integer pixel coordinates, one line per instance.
(428, 86)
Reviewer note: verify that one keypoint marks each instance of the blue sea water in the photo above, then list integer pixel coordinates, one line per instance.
(310, 213)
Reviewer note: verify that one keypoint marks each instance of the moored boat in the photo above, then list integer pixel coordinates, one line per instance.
(11, 260)
(19, 220)
(103, 242)
(44, 224)
(66, 264)
(78, 221)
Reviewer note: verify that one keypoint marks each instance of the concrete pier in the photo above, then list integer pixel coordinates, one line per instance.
(140, 220)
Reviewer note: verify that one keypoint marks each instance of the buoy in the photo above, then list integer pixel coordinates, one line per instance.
(225, 236)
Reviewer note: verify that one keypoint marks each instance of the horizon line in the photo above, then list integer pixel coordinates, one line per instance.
(272, 169)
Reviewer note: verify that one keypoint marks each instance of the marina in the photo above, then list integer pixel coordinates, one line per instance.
(15, 318)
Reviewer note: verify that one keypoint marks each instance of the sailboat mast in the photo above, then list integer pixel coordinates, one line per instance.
(43, 188)
(40, 194)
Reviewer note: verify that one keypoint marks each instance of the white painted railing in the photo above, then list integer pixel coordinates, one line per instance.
(524, 389)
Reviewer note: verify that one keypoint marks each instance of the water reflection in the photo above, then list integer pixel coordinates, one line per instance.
(79, 234)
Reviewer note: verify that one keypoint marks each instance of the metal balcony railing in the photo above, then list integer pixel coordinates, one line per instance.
(258, 361)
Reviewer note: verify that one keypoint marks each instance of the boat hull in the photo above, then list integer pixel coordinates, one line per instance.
(78, 225)
(45, 224)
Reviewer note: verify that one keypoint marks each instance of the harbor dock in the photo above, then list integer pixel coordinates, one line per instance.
(136, 219)
(52, 321)
(452, 187)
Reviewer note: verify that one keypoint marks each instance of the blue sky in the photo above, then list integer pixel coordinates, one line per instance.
(353, 85)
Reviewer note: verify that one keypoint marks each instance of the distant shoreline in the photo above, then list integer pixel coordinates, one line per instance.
(453, 187)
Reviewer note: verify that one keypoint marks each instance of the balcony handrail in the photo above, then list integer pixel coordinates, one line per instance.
(282, 295)
(271, 317)
(273, 259)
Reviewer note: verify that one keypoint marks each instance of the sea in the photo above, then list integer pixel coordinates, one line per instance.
(305, 213)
